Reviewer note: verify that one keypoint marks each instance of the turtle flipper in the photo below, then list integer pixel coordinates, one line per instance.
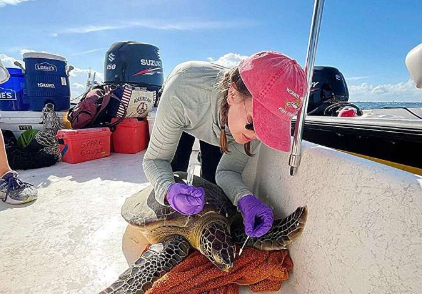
(153, 264)
(281, 234)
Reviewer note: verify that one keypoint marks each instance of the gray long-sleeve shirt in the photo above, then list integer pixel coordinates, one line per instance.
(190, 103)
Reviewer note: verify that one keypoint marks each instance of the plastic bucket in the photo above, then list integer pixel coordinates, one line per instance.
(12, 96)
(46, 81)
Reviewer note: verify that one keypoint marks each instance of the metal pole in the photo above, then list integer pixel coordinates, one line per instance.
(295, 155)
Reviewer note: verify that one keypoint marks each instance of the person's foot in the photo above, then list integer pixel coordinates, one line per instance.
(15, 191)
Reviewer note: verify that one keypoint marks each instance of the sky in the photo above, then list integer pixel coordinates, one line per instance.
(366, 40)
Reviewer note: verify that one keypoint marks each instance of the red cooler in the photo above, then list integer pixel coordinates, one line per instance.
(130, 136)
(85, 144)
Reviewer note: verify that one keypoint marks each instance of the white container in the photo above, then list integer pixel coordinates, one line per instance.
(151, 119)
(20, 121)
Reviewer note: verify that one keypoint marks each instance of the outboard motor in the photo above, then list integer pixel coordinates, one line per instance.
(135, 73)
(328, 87)
(134, 63)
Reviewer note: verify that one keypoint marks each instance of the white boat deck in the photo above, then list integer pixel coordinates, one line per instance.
(70, 239)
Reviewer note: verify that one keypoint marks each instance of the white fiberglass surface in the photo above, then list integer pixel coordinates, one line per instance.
(363, 229)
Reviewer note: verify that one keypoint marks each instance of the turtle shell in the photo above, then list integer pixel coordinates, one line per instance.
(142, 209)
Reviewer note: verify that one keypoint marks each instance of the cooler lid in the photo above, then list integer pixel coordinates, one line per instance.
(128, 122)
(90, 132)
(13, 71)
(27, 114)
(43, 55)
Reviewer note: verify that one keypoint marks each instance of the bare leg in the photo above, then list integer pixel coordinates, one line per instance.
(4, 165)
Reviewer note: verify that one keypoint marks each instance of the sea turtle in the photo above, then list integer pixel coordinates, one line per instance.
(214, 232)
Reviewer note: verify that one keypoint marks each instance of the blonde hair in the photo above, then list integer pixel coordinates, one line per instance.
(231, 77)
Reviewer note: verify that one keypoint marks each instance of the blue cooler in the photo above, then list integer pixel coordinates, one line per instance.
(12, 96)
(46, 81)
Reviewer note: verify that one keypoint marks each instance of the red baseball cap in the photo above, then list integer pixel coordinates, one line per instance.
(278, 85)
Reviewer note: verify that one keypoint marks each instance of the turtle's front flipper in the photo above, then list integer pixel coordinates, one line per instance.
(153, 264)
(281, 234)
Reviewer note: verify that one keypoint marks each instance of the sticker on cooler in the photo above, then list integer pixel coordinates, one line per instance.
(7, 94)
(24, 128)
(63, 79)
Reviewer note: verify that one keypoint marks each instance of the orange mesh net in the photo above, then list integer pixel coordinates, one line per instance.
(262, 271)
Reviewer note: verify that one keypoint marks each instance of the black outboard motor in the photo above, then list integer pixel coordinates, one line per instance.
(134, 63)
(328, 87)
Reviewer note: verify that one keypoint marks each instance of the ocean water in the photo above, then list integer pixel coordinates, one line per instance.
(373, 105)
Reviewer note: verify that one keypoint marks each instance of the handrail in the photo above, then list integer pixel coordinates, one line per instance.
(295, 155)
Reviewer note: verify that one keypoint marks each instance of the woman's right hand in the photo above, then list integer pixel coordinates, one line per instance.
(186, 199)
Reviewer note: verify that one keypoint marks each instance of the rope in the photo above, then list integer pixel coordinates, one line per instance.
(47, 137)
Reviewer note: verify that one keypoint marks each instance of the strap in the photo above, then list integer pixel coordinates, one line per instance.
(70, 115)
(120, 118)
(106, 99)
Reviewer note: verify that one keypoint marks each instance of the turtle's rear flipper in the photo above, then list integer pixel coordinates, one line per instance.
(281, 234)
(153, 264)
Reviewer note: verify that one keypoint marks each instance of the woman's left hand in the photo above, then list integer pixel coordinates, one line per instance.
(257, 217)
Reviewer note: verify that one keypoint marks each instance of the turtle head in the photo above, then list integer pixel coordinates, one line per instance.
(217, 245)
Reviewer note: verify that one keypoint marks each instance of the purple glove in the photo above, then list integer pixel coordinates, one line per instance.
(186, 199)
(257, 217)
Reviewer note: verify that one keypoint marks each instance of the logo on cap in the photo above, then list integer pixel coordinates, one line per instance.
(293, 93)
(295, 104)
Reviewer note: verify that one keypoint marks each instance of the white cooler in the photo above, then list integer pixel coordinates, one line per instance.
(20, 121)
